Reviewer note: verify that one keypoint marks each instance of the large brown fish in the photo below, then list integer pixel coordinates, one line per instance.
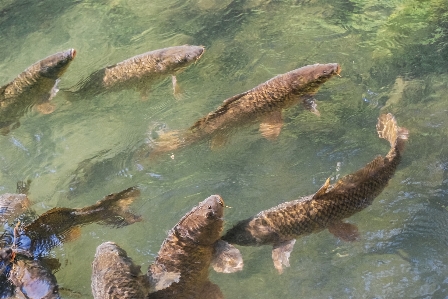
(115, 276)
(139, 70)
(181, 267)
(34, 86)
(282, 224)
(264, 103)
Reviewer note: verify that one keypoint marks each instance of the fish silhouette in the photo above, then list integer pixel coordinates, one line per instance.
(328, 207)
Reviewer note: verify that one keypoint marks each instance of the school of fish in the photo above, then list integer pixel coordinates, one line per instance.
(196, 243)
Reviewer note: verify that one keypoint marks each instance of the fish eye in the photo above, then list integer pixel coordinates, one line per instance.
(209, 207)
(209, 215)
(325, 72)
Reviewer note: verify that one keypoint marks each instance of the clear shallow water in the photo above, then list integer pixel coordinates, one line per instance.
(402, 252)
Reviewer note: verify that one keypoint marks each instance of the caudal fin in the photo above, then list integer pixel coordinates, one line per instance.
(116, 208)
(388, 129)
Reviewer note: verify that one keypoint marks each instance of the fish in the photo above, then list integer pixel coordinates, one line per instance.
(114, 275)
(263, 103)
(58, 225)
(33, 280)
(328, 207)
(183, 261)
(35, 86)
(139, 70)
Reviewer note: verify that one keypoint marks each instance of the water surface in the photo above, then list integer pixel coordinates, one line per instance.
(379, 44)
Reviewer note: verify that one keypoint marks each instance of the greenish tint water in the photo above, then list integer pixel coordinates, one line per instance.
(402, 252)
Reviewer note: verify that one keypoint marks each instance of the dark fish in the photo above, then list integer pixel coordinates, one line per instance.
(63, 224)
(181, 267)
(263, 103)
(281, 225)
(32, 280)
(34, 86)
(115, 276)
(138, 70)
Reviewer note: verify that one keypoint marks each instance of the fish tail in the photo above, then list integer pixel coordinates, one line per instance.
(115, 208)
(388, 129)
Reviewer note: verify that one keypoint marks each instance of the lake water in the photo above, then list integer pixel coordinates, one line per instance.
(394, 56)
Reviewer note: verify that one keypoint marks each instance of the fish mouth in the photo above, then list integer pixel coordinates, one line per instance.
(72, 53)
(200, 55)
(338, 70)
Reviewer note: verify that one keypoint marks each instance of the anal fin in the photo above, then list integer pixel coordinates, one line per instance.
(271, 125)
(345, 231)
(281, 253)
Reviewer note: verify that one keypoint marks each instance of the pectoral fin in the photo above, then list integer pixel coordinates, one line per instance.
(271, 125)
(345, 231)
(160, 279)
(322, 189)
(177, 90)
(218, 141)
(226, 258)
(310, 105)
(281, 253)
(45, 107)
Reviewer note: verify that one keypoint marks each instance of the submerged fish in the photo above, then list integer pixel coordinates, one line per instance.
(181, 267)
(115, 276)
(264, 103)
(63, 224)
(34, 86)
(33, 280)
(138, 70)
(281, 225)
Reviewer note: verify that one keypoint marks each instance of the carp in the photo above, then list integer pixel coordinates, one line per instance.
(181, 267)
(35, 86)
(281, 225)
(58, 225)
(114, 275)
(264, 103)
(139, 70)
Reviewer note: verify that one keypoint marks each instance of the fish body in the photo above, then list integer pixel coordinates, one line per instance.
(263, 103)
(35, 85)
(281, 225)
(115, 276)
(140, 69)
(181, 267)
(33, 280)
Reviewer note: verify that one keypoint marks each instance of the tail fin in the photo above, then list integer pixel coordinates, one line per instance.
(116, 208)
(388, 129)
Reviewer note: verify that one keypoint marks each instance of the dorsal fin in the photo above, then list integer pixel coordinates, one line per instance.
(322, 189)
(360, 175)
(221, 109)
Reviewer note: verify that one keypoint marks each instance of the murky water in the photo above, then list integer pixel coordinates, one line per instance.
(394, 56)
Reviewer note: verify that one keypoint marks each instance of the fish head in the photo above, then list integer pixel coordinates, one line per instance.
(55, 65)
(34, 280)
(204, 223)
(107, 254)
(309, 78)
(183, 56)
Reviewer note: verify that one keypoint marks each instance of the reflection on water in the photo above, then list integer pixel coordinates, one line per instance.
(393, 55)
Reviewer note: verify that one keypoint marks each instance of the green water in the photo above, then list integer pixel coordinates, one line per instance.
(402, 251)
